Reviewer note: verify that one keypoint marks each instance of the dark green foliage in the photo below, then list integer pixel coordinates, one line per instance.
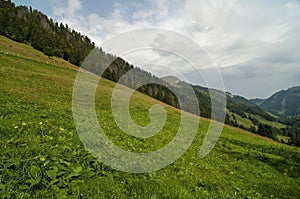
(31, 26)
(293, 129)
(115, 69)
(266, 130)
(204, 100)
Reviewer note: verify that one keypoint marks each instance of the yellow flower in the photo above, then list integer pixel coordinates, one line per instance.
(42, 158)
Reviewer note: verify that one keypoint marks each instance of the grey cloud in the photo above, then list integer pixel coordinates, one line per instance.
(252, 80)
(256, 42)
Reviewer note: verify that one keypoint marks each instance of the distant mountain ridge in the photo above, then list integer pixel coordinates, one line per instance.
(257, 101)
(284, 102)
(172, 80)
(235, 104)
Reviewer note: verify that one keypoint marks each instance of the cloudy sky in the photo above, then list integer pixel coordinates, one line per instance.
(254, 44)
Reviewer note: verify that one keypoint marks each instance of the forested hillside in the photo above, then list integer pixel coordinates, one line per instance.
(284, 103)
(257, 101)
(23, 24)
(33, 27)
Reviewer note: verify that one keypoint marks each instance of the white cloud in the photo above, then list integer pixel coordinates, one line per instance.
(234, 32)
(69, 9)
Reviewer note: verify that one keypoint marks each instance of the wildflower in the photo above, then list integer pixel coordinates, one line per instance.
(42, 158)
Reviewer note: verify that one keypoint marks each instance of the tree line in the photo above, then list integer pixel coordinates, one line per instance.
(293, 128)
(23, 24)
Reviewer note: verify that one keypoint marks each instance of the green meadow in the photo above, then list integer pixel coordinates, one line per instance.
(42, 155)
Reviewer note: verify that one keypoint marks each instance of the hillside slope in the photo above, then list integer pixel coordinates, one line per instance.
(42, 155)
(284, 103)
(240, 112)
(257, 101)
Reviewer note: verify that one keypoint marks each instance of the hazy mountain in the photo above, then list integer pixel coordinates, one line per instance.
(284, 102)
(235, 104)
(172, 80)
(257, 101)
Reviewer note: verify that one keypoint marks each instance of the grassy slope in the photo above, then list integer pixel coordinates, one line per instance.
(243, 121)
(41, 154)
(248, 123)
(264, 121)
